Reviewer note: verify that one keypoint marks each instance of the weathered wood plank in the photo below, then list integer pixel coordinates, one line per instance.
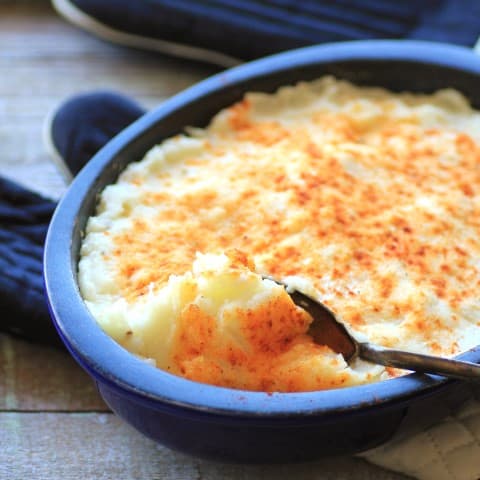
(100, 446)
(40, 176)
(66, 78)
(39, 378)
(43, 61)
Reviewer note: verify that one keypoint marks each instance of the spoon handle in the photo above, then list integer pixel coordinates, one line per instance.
(419, 363)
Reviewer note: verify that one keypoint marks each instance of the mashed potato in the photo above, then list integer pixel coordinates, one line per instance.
(364, 199)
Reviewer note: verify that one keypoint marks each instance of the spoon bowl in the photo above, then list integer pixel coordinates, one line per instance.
(327, 330)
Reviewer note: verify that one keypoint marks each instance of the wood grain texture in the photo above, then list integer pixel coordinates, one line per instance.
(43, 61)
(39, 378)
(100, 446)
(53, 424)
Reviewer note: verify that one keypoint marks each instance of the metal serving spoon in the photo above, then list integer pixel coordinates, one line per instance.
(327, 330)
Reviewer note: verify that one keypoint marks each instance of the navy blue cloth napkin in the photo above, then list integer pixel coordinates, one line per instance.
(24, 219)
(248, 29)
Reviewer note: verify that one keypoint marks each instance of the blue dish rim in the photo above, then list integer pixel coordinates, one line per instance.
(109, 363)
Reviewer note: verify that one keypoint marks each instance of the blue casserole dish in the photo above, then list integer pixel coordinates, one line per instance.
(226, 424)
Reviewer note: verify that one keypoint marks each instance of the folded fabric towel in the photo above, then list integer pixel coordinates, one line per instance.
(448, 450)
(227, 31)
(24, 219)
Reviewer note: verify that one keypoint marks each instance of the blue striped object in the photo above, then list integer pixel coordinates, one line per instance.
(24, 219)
(247, 29)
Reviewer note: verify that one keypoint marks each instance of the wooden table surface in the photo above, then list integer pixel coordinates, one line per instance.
(53, 424)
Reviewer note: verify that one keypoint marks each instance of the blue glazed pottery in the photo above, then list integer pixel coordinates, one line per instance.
(226, 424)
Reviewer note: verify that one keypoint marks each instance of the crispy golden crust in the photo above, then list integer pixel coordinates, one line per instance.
(369, 200)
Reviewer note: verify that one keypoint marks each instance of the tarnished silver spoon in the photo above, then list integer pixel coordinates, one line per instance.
(327, 330)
